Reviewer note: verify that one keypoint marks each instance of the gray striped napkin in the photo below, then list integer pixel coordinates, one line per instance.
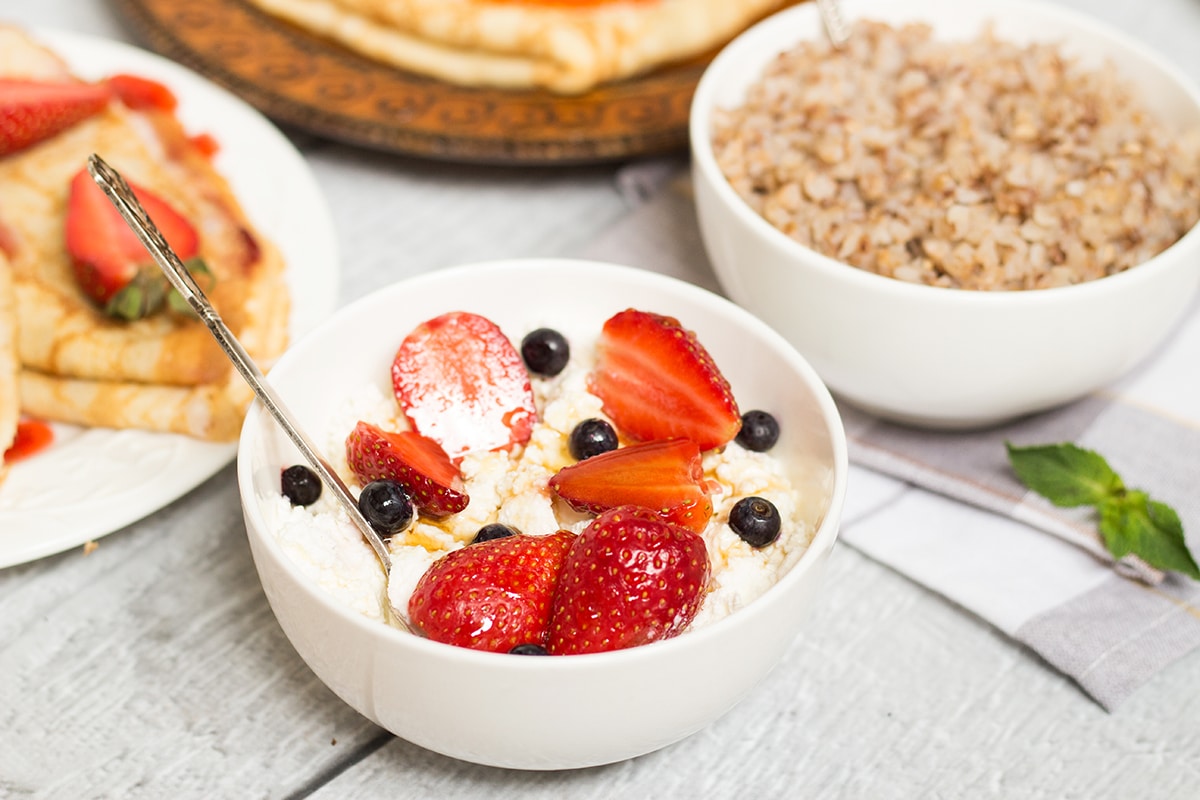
(1037, 572)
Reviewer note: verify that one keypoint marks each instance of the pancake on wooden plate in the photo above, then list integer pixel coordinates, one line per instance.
(163, 371)
(565, 46)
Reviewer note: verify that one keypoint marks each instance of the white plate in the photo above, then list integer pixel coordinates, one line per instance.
(92, 482)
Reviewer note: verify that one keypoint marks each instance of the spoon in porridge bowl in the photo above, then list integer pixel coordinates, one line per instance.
(834, 22)
(397, 509)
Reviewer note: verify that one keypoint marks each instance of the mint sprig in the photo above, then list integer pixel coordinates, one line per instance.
(1130, 522)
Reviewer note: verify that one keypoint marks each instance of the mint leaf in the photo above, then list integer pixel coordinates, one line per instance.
(1129, 521)
(1064, 474)
(1133, 523)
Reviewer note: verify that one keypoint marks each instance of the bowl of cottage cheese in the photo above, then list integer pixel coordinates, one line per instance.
(334, 601)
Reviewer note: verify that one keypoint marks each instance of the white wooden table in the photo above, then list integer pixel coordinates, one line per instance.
(153, 666)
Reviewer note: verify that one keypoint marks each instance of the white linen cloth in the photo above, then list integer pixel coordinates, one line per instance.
(945, 510)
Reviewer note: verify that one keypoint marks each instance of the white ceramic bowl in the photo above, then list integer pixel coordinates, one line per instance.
(555, 712)
(932, 356)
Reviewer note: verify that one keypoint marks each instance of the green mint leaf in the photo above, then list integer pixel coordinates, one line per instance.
(1130, 522)
(1064, 474)
(1133, 523)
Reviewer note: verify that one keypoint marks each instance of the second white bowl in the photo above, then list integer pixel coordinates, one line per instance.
(932, 356)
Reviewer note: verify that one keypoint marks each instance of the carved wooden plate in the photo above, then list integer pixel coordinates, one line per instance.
(303, 81)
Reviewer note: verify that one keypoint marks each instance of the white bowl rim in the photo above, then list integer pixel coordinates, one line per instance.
(823, 539)
(699, 134)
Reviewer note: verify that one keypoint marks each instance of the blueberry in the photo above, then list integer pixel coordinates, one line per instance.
(760, 431)
(545, 351)
(529, 649)
(496, 530)
(386, 506)
(591, 438)
(756, 520)
(300, 485)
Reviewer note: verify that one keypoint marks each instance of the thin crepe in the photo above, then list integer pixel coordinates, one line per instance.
(517, 45)
(9, 367)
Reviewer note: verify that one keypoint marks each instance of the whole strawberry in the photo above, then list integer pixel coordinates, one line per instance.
(111, 264)
(630, 578)
(493, 595)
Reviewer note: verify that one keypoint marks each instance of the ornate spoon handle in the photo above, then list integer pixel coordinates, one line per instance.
(835, 22)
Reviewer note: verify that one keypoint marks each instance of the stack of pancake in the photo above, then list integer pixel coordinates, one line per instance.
(62, 358)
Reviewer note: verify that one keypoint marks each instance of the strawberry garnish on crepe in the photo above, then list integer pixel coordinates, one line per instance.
(32, 437)
(142, 93)
(414, 461)
(31, 110)
(658, 382)
(112, 265)
(666, 477)
(459, 381)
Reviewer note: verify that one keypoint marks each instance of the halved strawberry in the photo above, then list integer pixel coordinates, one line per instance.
(629, 579)
(111, 264)
(142, 93)
(493, 595)
(414, 461)
(31, 110)
(665, 477)
(658, 382)
(460, 381)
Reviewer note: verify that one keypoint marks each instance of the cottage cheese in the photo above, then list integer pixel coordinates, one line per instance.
(511, 487)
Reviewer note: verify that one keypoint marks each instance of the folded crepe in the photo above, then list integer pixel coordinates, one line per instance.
(566, 48)
(9, 367)
(163, 372)
(18, 58)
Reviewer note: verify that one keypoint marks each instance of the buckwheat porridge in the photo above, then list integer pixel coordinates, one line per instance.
(978, 164)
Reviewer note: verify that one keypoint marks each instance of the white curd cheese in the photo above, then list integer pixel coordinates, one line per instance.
(511, 488)
(327, 547)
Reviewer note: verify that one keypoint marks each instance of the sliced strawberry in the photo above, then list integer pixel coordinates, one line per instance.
(493, 595)
(31, 111)
(206, 144)
(32, 437)
(665, 477)
(628, 579)
(142, 93)
(414, 461)
(111, 264)
(658, 382)
(460, 381)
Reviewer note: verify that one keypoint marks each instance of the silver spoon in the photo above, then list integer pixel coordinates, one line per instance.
(126, 203)
(835, 22)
